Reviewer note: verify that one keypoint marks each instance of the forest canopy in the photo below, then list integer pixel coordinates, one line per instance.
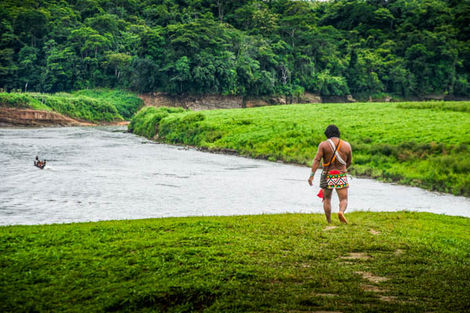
(404, 48)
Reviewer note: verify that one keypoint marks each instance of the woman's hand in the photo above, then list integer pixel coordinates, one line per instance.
(310, 180)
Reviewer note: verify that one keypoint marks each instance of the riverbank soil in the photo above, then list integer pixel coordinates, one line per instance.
(10, 117)
(214, 101)
(80, 108)
(380, 262)
(30, 117)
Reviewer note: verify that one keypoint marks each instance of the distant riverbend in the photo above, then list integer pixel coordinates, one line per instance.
(104, 173)
(424, 144)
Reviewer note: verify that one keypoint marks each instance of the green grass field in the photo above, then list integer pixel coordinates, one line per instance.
(419, 144)
(99, 105)
(380, 262)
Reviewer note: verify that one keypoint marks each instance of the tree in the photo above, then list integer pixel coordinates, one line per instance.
(59, 73)
(29, 72)
(118, 63)
(246, 47)
(8, 66)
(30, 26)
(329, 85)
(143, 75)
(181, 75)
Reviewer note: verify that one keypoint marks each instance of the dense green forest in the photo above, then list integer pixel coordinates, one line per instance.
(404, 48)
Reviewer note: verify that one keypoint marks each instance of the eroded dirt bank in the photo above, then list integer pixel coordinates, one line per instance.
(11, 117)
(30, 117)
(210, 102)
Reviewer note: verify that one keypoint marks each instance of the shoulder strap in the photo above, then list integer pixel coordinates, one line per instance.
(337, 155)
(334, 155)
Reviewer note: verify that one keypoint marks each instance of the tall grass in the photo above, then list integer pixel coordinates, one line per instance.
(126, 103)
(437, 105)
(81, 107)
(91, 105)
(425, 147)
(145, 121)
(21, 100)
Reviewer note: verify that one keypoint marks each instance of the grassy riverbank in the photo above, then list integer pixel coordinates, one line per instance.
(420, 144)
(99, 105)
(380, 262)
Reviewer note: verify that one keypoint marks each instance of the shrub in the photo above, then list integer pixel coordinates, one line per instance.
(81, 107)
(19, 100)
(74, 105)
(146, 121)
(126, 103)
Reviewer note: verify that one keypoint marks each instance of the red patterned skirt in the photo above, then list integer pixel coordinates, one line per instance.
(334, 180)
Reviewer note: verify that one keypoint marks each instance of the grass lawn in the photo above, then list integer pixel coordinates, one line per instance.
(380, 262)
(421, 144)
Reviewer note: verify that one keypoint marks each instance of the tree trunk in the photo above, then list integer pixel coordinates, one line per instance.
(221, 10)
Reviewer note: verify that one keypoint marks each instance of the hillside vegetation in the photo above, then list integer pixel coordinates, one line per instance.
(419, 144)
(380, 262)
(90, 105)
(249, 47)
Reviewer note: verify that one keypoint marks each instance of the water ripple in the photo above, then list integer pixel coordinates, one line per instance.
(104, 173)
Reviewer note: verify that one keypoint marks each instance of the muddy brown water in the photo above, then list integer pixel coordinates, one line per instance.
(104, 173)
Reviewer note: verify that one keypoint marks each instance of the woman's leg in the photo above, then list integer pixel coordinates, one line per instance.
(327, 203)
(343, 203)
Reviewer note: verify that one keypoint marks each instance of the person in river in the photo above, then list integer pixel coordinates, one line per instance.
(337, 157)
(38, 163)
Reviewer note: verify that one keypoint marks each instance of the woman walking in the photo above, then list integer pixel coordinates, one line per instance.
(337, 157)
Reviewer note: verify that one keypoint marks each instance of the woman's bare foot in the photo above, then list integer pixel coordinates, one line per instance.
(342, 218)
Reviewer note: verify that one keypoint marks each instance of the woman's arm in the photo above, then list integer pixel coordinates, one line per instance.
(315, 164)
(349, 160)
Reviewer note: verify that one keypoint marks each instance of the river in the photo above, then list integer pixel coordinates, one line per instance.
(104, 173)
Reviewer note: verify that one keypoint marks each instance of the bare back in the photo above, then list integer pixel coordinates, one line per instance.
(325, 152)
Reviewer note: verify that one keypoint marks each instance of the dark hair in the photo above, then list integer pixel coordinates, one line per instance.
(332, 131)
